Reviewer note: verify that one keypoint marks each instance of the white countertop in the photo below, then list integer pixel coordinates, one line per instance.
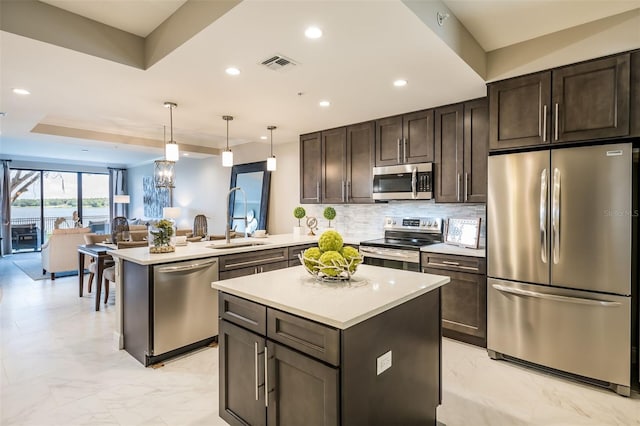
(201, 249)
(373, 290)
(443, 248)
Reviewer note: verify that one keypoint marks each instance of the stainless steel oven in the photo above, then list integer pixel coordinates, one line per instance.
(403, 238)
(404, 182)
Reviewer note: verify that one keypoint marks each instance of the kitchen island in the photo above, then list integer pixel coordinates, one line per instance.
(297, 351)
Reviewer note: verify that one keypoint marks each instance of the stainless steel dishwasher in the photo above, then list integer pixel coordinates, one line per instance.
(185, 307)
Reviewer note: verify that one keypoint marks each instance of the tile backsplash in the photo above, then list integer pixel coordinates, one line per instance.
(367, 219)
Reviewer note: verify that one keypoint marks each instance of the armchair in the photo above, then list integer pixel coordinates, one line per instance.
(60, 252)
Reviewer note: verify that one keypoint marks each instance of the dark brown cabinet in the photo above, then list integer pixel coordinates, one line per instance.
(336, 165)
(360, 162)
(460, 168)
(404, 139)
(591, 100)
(254, 262)
(242, 393)
(310, 168)
(334, 161)
(585, 101)
(464, 299)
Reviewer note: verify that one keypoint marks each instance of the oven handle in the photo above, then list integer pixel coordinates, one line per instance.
(385, 252)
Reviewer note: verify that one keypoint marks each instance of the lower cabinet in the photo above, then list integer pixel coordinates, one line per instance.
(255, 262)
(277, 368)
(464, 299)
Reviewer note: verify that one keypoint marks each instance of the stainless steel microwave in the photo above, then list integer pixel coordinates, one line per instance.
(403, 182)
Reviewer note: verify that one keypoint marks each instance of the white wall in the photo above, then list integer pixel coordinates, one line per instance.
(202, 186)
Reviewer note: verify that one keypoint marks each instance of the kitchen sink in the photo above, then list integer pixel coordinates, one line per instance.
(236, 245)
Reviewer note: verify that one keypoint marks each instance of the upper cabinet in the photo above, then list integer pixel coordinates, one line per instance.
(591, 100)
(586, 101)
(404, 139)
(360, 161)
(310, 167)
(461, 146)
(336, 165)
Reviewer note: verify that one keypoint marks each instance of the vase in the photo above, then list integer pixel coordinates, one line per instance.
(297, 231)
(160, 240)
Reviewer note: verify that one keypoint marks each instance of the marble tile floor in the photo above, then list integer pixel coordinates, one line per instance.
(59, 367)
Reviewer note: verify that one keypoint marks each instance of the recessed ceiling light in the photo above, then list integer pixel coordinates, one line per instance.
(264, 138)
(400, 83)
(19, 91)
(185, 154)
(313, 32)
(232, 71)
(325, 103)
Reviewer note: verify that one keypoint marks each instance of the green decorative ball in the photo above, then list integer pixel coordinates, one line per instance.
(329, 213)
(349, 253)
(330, 241)
(299, 212)
(311, 253)
(331, 258)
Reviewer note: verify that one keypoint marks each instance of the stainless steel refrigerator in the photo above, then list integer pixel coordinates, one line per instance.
(559, 230)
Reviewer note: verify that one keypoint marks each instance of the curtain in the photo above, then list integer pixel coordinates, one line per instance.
(118, 186)
(5, 200)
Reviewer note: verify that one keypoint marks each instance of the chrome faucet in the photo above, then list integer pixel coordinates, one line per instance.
(227, 232)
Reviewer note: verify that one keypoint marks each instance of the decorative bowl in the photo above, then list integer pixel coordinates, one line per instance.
(336, 272)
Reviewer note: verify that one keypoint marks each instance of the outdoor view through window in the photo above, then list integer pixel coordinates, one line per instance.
(44, 200)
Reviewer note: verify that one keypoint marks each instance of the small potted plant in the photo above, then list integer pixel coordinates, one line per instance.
(160, 237)
(298, 213)
(329, 214)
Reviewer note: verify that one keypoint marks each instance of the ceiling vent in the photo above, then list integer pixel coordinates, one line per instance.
(279, 63)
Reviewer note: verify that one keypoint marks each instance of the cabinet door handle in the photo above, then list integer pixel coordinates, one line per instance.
(466, 187)
(398, 150)
(348, 189)
(458, 187)
(342, 186)
(255, 358)
(448, 262)
(544, 123)
(266, 376)
(404, 150)
(318, 191)
(556, 123)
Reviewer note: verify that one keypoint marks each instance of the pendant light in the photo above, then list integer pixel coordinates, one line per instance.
(171, 151)
(271, 161)
(163, 174)
(227, 155)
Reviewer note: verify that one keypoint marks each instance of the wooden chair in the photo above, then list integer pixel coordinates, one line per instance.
(92, 238)
(119, 225)
(109, 274)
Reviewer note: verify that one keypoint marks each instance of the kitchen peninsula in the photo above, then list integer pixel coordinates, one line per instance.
(297, 351)
(164, 302)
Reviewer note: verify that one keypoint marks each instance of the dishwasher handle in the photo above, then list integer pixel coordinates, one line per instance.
(192, 267)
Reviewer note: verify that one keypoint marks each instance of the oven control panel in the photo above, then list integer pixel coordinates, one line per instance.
(420, 224)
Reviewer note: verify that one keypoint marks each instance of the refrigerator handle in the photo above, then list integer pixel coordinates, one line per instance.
(555, 216)
(543, 215)
(555, 297)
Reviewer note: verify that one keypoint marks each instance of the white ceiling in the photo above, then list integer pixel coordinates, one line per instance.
(366, 45)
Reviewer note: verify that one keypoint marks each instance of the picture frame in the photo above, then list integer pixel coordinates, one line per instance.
(463, 232)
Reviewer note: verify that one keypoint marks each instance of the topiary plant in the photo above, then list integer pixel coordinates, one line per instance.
(299, 213)
(329, 214)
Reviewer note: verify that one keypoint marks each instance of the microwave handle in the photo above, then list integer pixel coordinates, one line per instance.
(414, 183)
(404, 150)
